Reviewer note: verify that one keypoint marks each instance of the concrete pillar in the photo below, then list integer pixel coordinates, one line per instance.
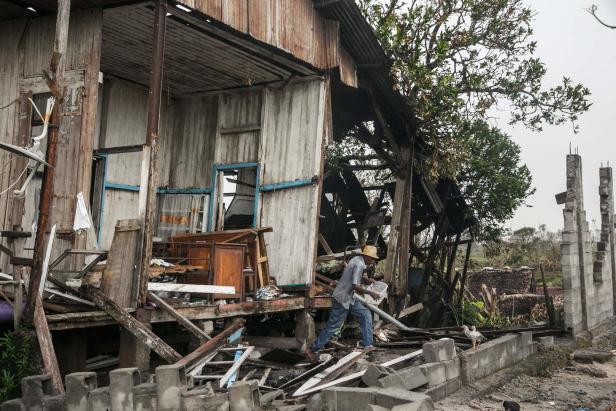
(121, 383)
(133, 353)
(34, 389)
(170, 381)
(78, 387)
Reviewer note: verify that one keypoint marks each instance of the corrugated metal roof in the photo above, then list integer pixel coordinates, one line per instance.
(373, 65)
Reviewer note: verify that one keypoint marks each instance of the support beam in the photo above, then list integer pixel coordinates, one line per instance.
(396, 264)
(210, 346)
(184, 322)
(463, 279)
(147, 193)
(135, 327)
(57, 80)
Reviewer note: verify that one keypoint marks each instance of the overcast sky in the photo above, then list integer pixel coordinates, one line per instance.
(571, 43)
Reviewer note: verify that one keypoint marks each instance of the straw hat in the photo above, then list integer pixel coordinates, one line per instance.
(370, 251)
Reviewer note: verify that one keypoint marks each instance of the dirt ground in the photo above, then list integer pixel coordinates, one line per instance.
(564, 388)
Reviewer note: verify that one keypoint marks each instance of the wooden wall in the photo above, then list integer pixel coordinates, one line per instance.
(292, 148)
(281, 129)
(26, 50)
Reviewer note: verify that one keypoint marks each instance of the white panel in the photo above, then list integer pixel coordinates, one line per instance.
(292, 143)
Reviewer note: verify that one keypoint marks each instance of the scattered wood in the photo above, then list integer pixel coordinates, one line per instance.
(354, 376)
(266, 374)
(191, 288)
(324, 244)
(132, 325)
(187, 324)
(197, 356)
(231, 372)
(308, 374)
(410, 310)
(318, 379)
(18, 299)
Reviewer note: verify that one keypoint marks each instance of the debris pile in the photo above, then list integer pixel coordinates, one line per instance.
(507, 281)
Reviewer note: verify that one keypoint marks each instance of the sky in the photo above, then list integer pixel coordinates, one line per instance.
(571, 43)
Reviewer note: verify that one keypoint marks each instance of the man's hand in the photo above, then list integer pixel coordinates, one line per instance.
(374, 294)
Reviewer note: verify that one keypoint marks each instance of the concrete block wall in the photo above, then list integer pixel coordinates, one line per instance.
(588, 280)
(495, 355)
(124, 393)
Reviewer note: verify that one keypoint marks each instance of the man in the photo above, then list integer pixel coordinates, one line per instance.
(344, 302)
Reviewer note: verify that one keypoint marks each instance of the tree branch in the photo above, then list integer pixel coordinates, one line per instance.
(593, 12)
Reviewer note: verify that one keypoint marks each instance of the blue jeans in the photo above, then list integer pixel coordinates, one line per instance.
(337, 315)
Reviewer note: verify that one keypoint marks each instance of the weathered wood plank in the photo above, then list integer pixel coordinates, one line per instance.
(136, 328)
(216, 342)
(184, 322)
(119, 276)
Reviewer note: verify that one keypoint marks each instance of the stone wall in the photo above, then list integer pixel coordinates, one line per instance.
(588, 277)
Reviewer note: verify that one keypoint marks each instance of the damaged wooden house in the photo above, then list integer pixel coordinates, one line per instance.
(188, 175)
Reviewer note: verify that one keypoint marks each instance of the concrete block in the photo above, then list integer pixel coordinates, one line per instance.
(547, 341)
(372, 407)
(526, 338)
(391, 397)
(373, 374)
(34, 389)
(215, 402)
(99, 400)
(13, 405)
(346, 398)
(406, 378)
(121, 383)
(144, 397)
(78, 386)
(434, 372)
(170, 382)
(443, 390)
(416, 406)
(452, 368)
(439, 350)
(244, 396)
(54, 403)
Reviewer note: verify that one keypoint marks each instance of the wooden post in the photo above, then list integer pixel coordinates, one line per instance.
(18, 298)
(464, 270)
(147, 192)
(548, 300)
(396, 264)
(57, 74)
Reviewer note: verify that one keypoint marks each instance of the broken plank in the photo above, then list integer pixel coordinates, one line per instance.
(266, 374)
(410, 310)
(233, 370)
(50, 361)
(307, 374)
(132, 325)
(187, 324)
(191, 288)
(324, 244)
(197, 356)
(317, 379)
(358, 374)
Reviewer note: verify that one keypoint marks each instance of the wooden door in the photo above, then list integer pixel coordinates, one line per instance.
(229, 267)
